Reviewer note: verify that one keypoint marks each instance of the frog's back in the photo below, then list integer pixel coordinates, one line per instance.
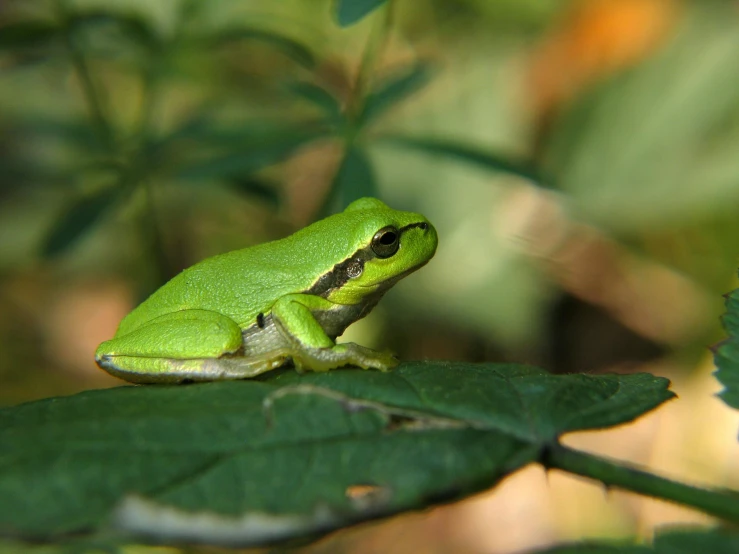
(243, 283)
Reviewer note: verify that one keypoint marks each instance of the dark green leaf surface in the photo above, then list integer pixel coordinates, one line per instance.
(394, 90)
(524, 401)
(25, 34)
(79, 218)
(354, 179)
(349, 12)
(257, 189)
(726, 353)
(468, 154)
(678, 541)
(296, 447)
(595, 548)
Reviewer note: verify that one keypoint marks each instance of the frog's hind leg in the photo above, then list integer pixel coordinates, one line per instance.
(189, 345)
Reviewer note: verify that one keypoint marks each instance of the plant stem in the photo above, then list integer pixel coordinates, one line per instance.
(374, 48)
(720, 503)
(89, 90)
(154, 236)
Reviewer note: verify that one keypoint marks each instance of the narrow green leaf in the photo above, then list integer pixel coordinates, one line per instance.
(257, 188)
(308, 453)
(469, 154)
(318, 96)
(245, 157)
(394, 90)
(26, 34)
(354, 179)
(726, 353)
(79, 219)
(292, 48)
(77, 133)
(349, 12)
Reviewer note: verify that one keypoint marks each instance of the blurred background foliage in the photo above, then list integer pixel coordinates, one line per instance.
(579, 159)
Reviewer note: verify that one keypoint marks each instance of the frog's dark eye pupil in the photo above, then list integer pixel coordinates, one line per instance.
(386, 242)
(388, 238)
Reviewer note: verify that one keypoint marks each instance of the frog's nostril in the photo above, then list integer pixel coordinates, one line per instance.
(423, 226)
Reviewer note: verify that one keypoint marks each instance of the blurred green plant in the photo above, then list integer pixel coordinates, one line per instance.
(136, 157)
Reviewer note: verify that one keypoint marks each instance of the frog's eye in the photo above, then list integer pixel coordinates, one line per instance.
(386, 242)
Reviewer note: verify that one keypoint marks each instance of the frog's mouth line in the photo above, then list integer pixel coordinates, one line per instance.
(341, 273)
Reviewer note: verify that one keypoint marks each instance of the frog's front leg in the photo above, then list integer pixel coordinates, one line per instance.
(309, 345)
(188, 345)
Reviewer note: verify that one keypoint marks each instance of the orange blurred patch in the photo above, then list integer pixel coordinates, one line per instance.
(80, 317)
(595, 39)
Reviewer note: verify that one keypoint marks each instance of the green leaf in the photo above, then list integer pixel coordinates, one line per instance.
(526, 402)
(245, 155)
(134, 26)
(596, 548)
(468, 154)
(726, 353)
(676, 541)
(79, 219)
(318, 96)
(349, 12)
(28, 34)
(224, 462)
(354, 179)
(70, 132)
(394, 90)
(257, 188)
(689, 541)
(292, 48)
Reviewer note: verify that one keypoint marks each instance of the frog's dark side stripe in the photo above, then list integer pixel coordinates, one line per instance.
(350, 268)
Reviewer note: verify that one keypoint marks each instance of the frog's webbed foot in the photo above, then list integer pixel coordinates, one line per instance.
(346, 354)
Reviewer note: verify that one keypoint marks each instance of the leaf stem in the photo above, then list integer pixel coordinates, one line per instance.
(722, 503)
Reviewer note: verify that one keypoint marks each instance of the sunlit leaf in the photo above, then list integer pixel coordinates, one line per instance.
(78, 219)
(252, 462)
(349, 12)
(468, 154)
(394, 90)
(726, 353)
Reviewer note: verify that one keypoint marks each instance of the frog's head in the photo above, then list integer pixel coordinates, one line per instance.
(386, 246)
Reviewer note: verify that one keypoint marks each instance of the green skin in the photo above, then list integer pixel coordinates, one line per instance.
(240, 314)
